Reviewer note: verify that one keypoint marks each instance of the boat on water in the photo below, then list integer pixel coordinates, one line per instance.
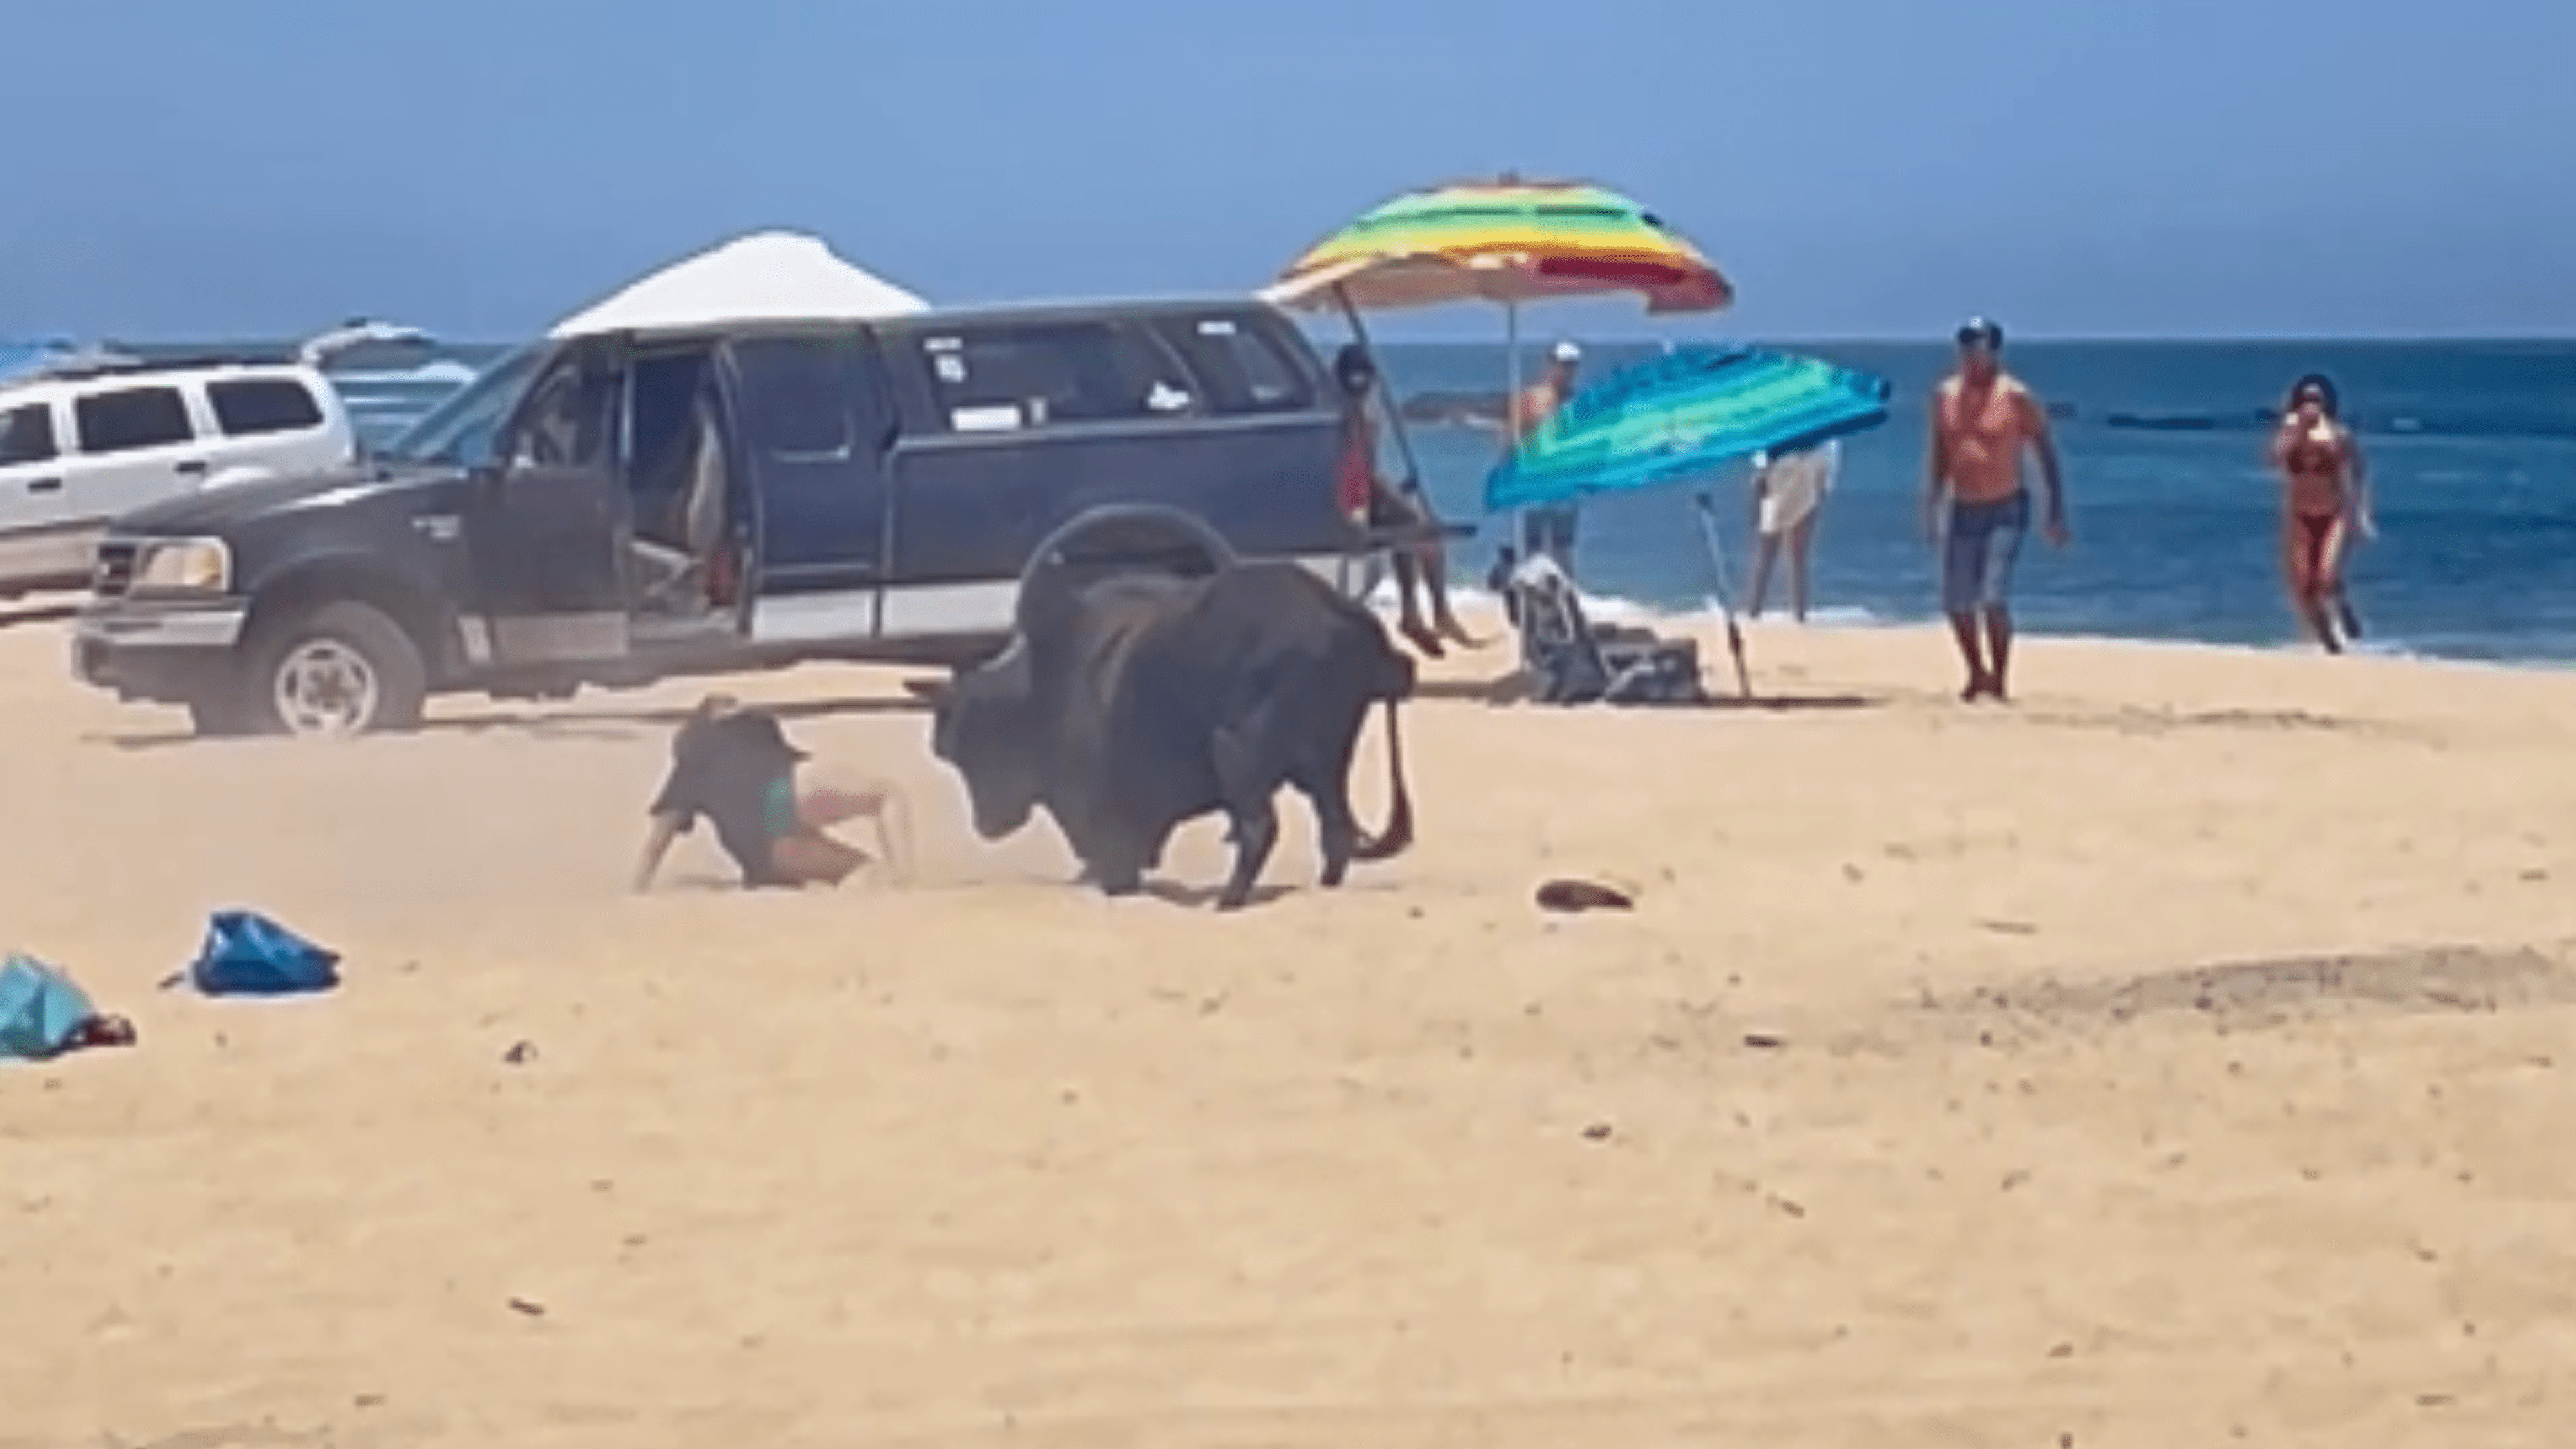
(29, 357)
(356, 344)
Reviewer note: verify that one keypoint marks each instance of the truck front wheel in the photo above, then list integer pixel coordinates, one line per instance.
(343, 668)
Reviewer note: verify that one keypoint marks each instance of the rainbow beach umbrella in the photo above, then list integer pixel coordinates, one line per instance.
(1506, 241)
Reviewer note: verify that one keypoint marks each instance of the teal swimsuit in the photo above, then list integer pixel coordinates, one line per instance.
(778, 808)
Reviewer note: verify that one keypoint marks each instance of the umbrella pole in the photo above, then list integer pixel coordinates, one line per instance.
(1725, 605)
(1512, 409)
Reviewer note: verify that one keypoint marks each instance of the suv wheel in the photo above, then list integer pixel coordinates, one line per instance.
(342, 669)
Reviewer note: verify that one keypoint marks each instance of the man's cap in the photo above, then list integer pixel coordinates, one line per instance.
(1567, 352)
(763, 726)
(1981, 330)
(757, 729)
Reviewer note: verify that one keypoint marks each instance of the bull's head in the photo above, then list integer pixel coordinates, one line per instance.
(995, 723)
(987, 726)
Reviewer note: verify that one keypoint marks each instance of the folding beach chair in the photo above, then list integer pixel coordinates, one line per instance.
(1571, 660)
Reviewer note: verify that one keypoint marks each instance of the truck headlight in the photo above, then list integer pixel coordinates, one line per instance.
(185, 566)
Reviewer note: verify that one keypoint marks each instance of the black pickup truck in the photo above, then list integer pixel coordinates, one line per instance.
(611, 510)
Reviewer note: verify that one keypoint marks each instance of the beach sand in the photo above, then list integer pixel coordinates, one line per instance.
(2182, 1055)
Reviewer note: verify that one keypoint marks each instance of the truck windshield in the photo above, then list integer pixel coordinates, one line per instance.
(460, 429)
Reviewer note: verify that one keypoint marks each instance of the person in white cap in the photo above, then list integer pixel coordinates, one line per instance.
(1788, 488)
(1547, 530)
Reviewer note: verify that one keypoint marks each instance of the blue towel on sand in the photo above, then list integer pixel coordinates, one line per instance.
(40, 1009)
(247, 954)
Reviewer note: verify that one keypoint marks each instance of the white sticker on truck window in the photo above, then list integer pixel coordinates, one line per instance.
(997, 419)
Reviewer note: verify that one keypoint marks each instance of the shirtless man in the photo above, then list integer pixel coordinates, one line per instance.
(1547, 530)
(1974, 504)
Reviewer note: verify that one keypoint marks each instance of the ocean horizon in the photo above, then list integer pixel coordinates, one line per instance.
(2472, 446)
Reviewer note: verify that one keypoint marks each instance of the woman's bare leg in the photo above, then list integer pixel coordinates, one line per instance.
(810, 857)
(875, 801)
(1802, 540)
(1435, 582)
(1766, 552)
(657, 845)
(2330, 586)
(894, 835)
(2303, 566)
(1408, 584)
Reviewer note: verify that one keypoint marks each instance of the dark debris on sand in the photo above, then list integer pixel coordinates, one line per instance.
(2271, 992)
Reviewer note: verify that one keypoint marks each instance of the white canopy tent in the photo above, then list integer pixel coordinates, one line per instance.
(772, 276)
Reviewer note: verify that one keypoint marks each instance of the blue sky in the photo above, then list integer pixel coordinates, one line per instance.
(1861, 168)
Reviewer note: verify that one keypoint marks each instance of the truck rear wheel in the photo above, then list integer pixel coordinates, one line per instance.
(343, 668)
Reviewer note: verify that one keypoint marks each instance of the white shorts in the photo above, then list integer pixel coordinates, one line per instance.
(1784, 508)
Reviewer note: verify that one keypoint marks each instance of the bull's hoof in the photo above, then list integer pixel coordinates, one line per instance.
(1233, 900)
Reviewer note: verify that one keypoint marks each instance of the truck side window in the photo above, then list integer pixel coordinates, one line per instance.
(460, 429)
(27, 434)
(1242, 367)
(566, 422)
(808, 399)
(1040, 374)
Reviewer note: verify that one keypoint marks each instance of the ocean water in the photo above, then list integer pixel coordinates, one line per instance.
(2175, 514)
(2472, 447)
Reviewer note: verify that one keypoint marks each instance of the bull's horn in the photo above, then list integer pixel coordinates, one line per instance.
(1042, 589)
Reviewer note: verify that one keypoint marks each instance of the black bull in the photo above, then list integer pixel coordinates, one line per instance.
(1133, 705)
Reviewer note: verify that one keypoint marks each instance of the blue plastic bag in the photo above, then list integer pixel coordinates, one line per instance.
(41, 1010)
(247, 954)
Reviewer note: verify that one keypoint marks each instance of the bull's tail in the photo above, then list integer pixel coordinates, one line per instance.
(1394, 686)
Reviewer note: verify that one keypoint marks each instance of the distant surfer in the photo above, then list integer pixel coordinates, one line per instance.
(2325, 503)
(1788, 489)
(1975, 505)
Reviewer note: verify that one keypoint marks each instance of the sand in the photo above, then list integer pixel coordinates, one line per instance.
(2183, 1055)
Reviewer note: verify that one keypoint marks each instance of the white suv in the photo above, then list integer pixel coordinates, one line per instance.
(81, 444)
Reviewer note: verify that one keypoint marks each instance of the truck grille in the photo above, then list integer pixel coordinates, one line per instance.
(115, 571)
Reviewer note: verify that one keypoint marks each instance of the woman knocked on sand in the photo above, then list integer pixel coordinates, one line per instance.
(735, 766)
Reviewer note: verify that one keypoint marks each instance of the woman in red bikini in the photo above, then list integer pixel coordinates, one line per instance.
(2327, 504)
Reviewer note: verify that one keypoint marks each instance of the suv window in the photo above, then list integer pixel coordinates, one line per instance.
(804, 398)
(130, 419)
(27, 434)
(460, 428)
(1245, 368)
(1042, 374)
(250, 407)
(568, 419)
